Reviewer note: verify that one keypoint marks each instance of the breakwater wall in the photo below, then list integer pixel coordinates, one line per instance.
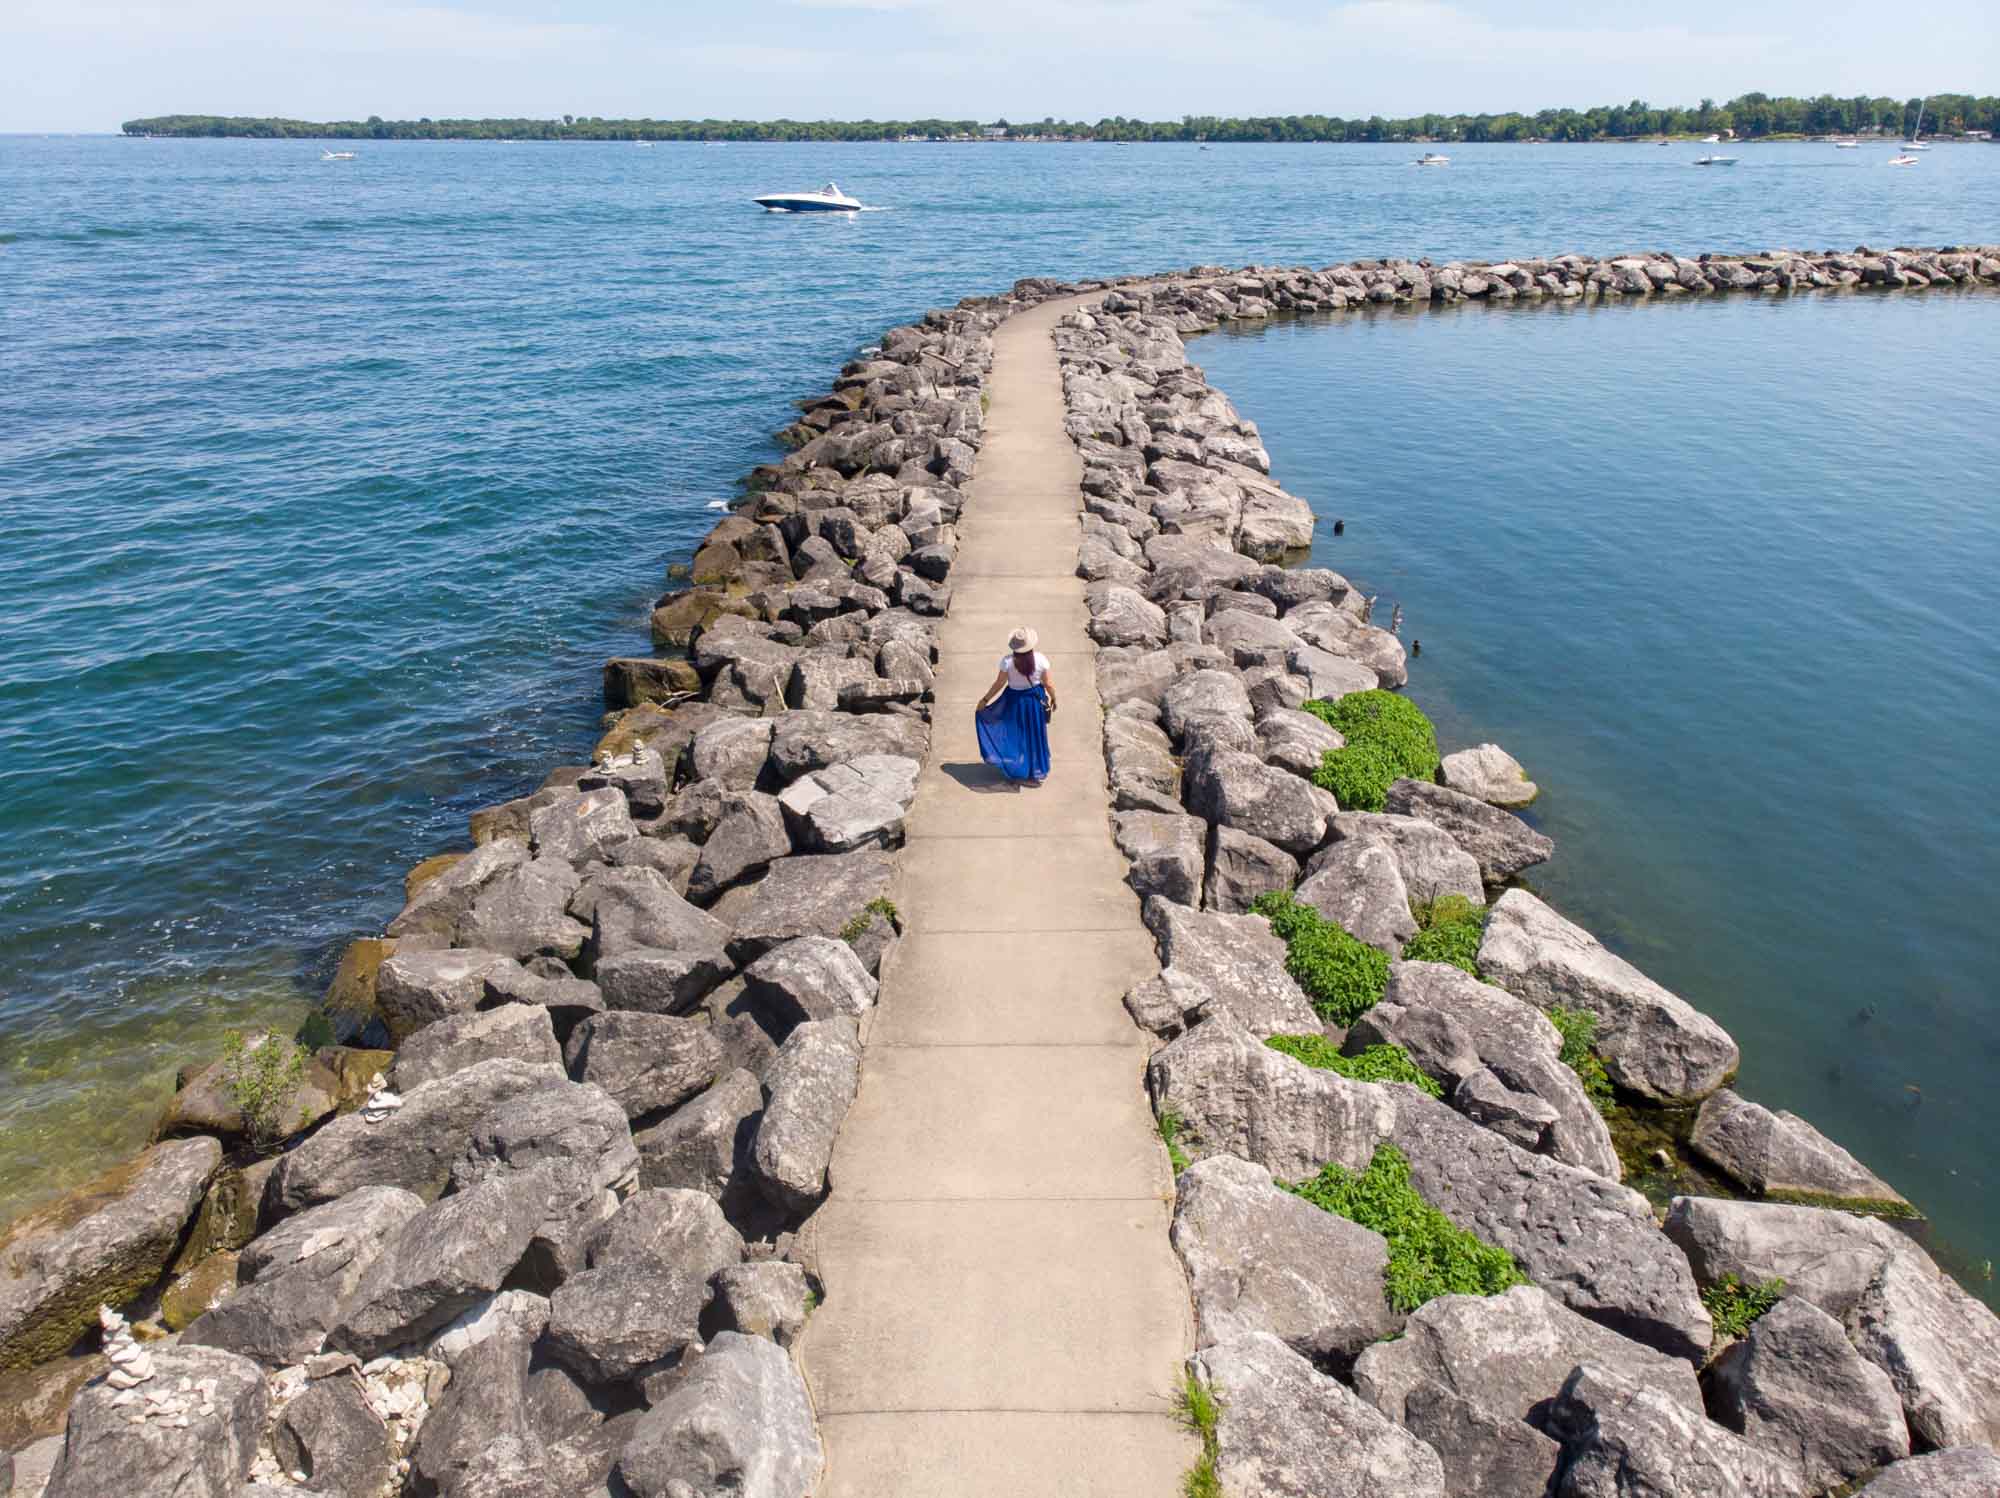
(1358, 980)
(519, 1216)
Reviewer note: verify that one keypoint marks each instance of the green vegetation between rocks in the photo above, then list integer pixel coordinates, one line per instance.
(1429, 1255)
(263, 1081)
(1448, 930)
(1378, 1063)
(1867, 1206)
(863, 918)
(1342, 976)
(1733, 1305)
(1199, 1409)
(1578, 1028)
(1170, 1125)
(1388, 739)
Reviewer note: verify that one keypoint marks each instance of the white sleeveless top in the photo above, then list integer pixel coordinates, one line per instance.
(1016, 680)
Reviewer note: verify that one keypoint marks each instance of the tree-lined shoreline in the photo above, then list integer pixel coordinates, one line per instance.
(1750, 116)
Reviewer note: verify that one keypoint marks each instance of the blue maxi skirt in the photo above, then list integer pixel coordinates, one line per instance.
(1014, 734)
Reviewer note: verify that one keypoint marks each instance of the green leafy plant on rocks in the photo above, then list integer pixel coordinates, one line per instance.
(1342, 976)
(1733, 1305)
(1578, 1028)
(1388, 739)
(1171, 1124)
(263, 1079)
(1378, 1063)
(1429, 1255)
(1448, 930)
(1199, 1410)
(863, 918)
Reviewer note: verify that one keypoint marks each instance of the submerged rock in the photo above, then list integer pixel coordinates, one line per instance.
(1780, 1154)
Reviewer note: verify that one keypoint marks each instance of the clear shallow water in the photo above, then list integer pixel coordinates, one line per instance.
(327, 487)
(1721, 578)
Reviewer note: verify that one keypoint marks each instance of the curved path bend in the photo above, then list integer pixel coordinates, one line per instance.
(1005, 1317)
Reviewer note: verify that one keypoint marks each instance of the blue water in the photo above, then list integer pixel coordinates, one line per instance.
(1719, 574)
(328, 486)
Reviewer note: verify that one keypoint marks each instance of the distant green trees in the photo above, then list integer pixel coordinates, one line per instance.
(1751, 116)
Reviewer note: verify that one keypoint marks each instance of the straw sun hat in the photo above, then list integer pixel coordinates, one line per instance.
(1022, 639)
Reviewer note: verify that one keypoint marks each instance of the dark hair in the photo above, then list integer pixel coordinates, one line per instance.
(1024, 662)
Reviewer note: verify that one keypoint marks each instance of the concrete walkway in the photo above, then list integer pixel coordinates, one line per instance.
(1004, 1316)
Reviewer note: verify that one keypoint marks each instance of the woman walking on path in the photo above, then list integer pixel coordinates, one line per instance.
(1014, 730)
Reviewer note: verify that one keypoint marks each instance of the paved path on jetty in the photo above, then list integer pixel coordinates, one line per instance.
(1005, 1317)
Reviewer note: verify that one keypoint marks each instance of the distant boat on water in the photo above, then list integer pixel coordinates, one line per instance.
(1903, 160)
(1847, 145)
(1431, 158)
(336, 156)
(829, 199)
(1715, 160)
(1711, 140)
(1915, 142)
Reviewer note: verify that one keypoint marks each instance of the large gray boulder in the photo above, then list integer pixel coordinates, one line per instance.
(1327, 676)
(659, 980)
(1501, 841)
(1239, 790)
(584, 829)
(704, 1144)
(1490, 774)
(1237, 1096)
(332, 1433)
(814, 739)
(297, 1277)
(1653, 1042)
(444, 900)
(770, 1298)
(1165, 852)
(1250, 639)
(1939, 1346)
(190, 1432)
(1260, 1259)
(414, 1147)
(578, 1127)
(648, 1063)
(731, 751)
(103, 1244)
(748, 837)
(438, 1264)
(1334, 628)
(1796, 1387)
(1473, 1375)
(632, 908)
(1960, 1472)
(479, 1440)
(739, 1425)
(1829, 1258)
(1286, 1430)
(1237, 962)
(1624, 1439)
(519, 1032)
(1294, 740)
(810, 1084)
(640, 1299)
(1241, 868)
(1121, 615)
(1455, 1028)
(1590, 1242)
(1432, 865)
(1202, 694)
(525, 913)
(418, 987)
(813, 895)
(809, 978)
(1358, 885)
(1780, 1154)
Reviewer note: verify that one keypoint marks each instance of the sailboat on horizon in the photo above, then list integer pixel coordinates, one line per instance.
(1914, 143)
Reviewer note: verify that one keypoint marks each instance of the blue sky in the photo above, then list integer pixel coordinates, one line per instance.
(88, 64)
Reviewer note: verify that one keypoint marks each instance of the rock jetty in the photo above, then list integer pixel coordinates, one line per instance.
(521, 1222)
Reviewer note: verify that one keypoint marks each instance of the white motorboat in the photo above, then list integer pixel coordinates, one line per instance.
(829, 199)
(1716, 160)
(1847, 145)
(336, 156)
(1711, 140)
(1904, 160)
(1431, 158)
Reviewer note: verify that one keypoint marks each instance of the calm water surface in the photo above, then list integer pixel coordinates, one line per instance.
(326, 488)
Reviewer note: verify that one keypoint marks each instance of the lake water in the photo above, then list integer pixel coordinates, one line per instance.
(327, 487)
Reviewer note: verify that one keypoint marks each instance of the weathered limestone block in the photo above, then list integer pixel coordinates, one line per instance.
(1780, 1154)
(1490, 774)
(704, 1144)
(1260, 1259)
(1623, 1437)
(1432, 865)
(739, 1425)
(580, 830)
(1960, 1472)
(444, 900)
(196, 1442)
(765, 1299)
(1652, 1041)
(1826, 1257)
(417, 988)
(1501, 841)
(1165, 852)
(103, 1244)
(1237, 1096)
(809, 978)
(648, 1063)
(1295, 741)
(1241, 868)
(1239, 790)
(519, 1032)
(813, 895)
(1288, 1431)
(810, 1083)
(1237, 962)
(1358, 885)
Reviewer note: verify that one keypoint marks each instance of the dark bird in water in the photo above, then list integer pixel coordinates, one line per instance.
(1340, 527)
(1416, 647)
(1864, 1014)
(1396, 620)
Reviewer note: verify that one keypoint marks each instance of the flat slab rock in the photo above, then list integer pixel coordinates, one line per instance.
(1237, 962)
(1501, 841)
(1653, 1042)
(1588, 1241)
(1623, 1437)
(104, 1243)
(1959, 1472)
(1260, 1259)
(1779, 1154)
(1473, 1376)
(1286, 1430)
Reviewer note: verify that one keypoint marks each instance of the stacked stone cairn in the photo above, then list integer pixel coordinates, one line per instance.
(1604, 1375)
(561, 1257)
